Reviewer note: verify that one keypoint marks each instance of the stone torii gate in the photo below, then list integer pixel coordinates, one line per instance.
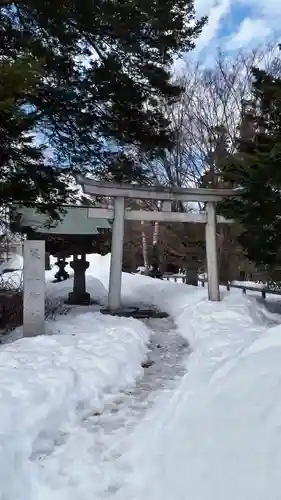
(120, 192)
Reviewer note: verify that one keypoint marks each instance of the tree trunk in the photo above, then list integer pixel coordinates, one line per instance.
(144, 249)
(224, 256)
(156, 232)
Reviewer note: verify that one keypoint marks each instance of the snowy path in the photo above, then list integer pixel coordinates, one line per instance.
(168, 350)
(168, 354)
(81, 462)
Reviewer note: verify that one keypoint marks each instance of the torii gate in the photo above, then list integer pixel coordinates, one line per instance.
(120, 192)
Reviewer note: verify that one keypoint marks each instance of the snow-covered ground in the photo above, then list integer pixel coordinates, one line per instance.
(80, 419)
(48, 384)
(249, 283)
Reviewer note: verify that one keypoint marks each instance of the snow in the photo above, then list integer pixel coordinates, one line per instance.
(249, 283)
(218, 434)
(219, 438)
(15, 262)
(49, 381)
(210, 430)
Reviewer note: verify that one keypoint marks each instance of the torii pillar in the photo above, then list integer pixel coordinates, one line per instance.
(115, 276)
(211, 253)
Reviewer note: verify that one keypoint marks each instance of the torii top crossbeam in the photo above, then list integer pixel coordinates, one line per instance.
(111, 189)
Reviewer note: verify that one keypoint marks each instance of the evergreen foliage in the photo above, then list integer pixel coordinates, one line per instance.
(256, 167)
(25, 177)
(89, 75)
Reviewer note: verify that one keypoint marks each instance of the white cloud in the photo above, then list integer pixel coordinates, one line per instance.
(250, 30)
(264, 22)
(269, 10)
(203, 7)
(225, 30)
(217, 11)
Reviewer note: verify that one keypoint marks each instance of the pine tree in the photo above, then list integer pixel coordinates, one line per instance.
(25, 176)
(256, 167)
(105, 67)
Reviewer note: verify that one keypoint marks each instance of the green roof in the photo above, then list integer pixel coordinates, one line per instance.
(75, 221)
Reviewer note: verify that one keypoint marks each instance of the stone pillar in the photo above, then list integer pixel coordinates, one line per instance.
(211, 251)
(33, 288)
(79, 296)
(115, 277)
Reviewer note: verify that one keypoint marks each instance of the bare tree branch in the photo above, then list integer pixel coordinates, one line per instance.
(209, 113)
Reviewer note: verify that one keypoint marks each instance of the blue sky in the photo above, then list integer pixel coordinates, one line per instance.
(237, 24)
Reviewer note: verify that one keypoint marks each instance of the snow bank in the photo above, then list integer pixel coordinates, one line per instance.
(219, 438)
(48, 382)
(218, 435)
(59, 291)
